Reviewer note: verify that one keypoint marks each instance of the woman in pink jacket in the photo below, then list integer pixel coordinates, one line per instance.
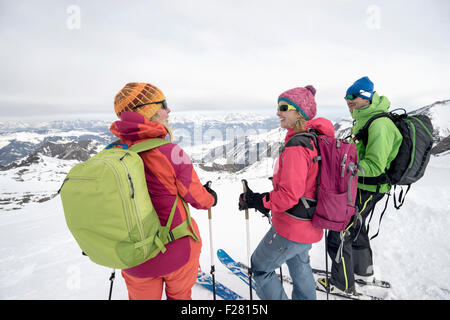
(291, 236)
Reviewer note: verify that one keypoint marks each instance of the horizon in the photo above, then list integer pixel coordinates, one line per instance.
(335, 114)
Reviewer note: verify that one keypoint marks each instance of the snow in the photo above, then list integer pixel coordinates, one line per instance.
(36, 138)
(439, 113)
(39, 258)
(441, 118)
(241, 118)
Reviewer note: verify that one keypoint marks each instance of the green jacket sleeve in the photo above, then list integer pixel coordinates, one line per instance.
(381, 149)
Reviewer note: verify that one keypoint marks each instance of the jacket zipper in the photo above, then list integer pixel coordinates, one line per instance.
(75, 178)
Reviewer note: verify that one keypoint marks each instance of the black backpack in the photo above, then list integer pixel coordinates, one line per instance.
(413, 155)
(412, 158)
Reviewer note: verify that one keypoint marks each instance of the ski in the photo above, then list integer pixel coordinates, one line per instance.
(287, 279)
(361, 282)
(222, 291)
(356, 296)
(235, 267)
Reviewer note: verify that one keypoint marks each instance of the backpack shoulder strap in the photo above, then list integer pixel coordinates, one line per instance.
(148, 144)
(302, 139)
(166, 234)
(363, 134)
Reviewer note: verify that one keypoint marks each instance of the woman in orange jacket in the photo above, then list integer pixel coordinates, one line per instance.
(144, 114)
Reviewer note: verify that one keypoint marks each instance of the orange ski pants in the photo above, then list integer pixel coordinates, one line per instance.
(178, 283)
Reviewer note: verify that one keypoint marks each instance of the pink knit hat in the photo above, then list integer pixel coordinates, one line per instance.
(301, 99)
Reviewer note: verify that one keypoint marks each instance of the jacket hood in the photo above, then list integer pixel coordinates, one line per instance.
(322, 125)
(133, 128)
(379, 104)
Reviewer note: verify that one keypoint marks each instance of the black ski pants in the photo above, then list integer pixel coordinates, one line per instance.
(356, 255)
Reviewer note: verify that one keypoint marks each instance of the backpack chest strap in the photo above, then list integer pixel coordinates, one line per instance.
(379, 180)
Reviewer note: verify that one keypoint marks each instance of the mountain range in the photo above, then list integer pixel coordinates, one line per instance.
(35, 153)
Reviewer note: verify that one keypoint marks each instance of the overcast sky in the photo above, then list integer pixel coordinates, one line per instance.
(62, 57)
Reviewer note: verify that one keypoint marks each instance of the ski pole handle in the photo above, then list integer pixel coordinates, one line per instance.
(208, 185)
(111, 278)
(244, 187)
(247, 224)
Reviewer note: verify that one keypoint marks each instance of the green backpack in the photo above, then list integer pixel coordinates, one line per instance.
(109, 211)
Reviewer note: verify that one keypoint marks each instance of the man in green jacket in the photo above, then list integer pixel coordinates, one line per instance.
(352, 257)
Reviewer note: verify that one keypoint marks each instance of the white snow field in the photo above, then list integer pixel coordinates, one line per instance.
(39, 258)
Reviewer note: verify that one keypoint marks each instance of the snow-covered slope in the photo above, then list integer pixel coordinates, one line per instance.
(39, 258)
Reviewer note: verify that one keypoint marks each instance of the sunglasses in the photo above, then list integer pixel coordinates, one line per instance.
(164, 104)
(285, 107)
(351, 97)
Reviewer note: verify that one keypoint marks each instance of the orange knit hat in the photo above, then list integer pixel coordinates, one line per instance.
(135, 94)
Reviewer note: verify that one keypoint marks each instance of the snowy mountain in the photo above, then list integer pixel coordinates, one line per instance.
(19, 139)
(27, 147)
(439, 113)
(216, 143)
(21, 142)
(246, 149)
(39, 258)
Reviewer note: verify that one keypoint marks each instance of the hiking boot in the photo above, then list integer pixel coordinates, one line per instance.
(322, 283)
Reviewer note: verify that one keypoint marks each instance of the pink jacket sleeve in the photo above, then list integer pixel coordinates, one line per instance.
(188, 182)
(289, 180)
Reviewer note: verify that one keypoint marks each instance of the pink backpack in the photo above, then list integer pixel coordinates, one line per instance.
(337, 182)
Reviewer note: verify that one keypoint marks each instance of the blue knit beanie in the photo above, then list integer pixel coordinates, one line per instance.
(362, 87)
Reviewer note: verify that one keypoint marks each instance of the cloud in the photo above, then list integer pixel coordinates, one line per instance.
(222, 55)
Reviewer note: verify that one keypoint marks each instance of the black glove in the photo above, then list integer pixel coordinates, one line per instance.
(253, 200)
(211, 191)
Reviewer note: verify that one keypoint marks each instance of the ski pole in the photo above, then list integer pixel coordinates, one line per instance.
(111, 278)
(244, 184)
(213, 268)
